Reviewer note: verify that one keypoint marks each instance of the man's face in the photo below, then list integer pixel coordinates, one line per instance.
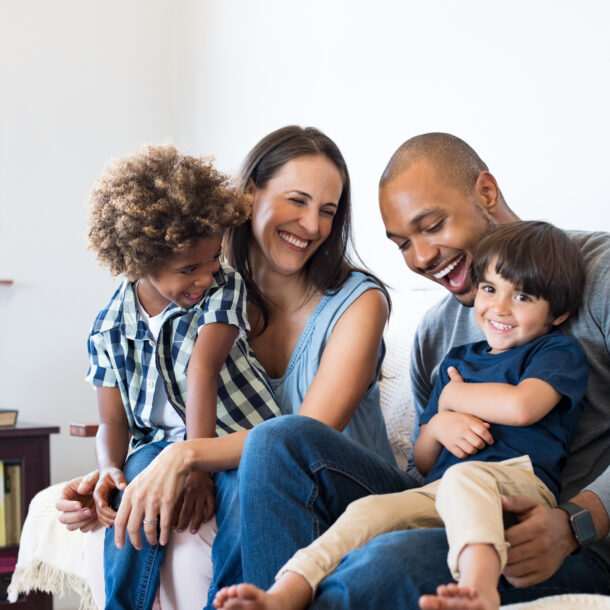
(435, 226)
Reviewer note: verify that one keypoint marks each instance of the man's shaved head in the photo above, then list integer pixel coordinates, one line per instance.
(455, 162)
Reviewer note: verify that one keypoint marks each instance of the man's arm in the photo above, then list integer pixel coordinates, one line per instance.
(499, 403)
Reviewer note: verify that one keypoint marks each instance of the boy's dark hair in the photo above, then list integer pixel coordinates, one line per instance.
(539, 259)
(150, 206)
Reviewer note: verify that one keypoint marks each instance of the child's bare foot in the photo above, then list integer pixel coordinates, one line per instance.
(249, 597)
(459, 597)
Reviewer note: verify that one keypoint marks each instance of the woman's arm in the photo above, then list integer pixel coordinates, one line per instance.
(499, 403)
(111, 444)
(349, 363)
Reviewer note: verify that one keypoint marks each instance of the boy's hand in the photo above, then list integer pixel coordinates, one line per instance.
(76, 505)
(196, 503)
(460, 433)
(110, 479)
(444, 400)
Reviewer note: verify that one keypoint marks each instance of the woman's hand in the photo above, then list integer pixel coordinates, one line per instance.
(196, 504)
(152, 495)
(460, 433)
(76, 505)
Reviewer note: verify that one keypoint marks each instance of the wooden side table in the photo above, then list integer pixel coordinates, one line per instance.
(29, 445)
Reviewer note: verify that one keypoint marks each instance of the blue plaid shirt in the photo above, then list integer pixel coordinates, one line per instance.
(124, 354)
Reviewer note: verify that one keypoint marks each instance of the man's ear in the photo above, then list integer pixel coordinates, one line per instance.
(561, 319)
(487, 192)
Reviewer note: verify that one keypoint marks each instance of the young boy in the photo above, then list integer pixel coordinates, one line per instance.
(158, 218)
(500, 420)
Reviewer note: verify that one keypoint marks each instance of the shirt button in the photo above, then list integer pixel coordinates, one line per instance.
(151, 384)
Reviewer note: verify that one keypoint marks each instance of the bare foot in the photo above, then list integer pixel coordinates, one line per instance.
(247, 597)
(459, 597)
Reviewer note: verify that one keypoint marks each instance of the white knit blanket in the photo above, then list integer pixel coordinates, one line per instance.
(51, 558)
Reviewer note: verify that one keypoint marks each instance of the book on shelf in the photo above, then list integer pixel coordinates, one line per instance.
(2, 517)
(10, 502)
(8, 417)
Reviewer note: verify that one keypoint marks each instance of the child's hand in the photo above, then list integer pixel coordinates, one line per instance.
(196, 503)
(460, 433)
(444, 400)
(110, 479)
(76, 505)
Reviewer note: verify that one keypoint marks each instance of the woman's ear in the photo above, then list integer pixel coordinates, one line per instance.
(561, 319)
(250, 187)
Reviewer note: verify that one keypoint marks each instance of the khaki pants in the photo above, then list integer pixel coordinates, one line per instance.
(466, 500)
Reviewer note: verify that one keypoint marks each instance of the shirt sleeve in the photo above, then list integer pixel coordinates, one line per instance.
(562, 363)
(101, 371)
(225, 301)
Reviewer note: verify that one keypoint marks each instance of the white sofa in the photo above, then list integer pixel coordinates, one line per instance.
(55, 560)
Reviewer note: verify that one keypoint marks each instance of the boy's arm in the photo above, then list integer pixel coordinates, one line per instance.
(499, 403)
(111, 444)
(211, 349)
(460, 433)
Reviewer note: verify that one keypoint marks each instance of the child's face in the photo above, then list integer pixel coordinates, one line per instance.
(510, 317)
(184, 280)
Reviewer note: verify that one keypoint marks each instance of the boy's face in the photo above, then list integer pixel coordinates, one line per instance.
(184, 280)
(510, 317)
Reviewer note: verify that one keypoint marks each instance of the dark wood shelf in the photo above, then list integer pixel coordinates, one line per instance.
(6, 282)
(29, 444)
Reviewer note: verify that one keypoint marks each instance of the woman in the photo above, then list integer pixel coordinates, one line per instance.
(317, 330)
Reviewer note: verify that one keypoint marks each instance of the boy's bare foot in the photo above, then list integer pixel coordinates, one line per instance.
(243, 596)
(250, 597)
(459, 597)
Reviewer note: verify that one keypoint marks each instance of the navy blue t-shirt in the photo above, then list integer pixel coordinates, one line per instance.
(555, 358)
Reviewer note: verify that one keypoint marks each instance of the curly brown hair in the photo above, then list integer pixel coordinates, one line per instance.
(150, 206)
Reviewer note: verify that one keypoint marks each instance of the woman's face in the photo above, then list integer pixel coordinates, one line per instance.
(293, 213)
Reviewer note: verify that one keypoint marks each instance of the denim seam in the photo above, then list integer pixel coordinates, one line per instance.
(148, 567)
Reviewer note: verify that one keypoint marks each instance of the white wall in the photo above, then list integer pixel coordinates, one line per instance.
(524, 82)
(81, 82)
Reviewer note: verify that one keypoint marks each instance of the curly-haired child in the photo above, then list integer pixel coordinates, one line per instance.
(169, 346)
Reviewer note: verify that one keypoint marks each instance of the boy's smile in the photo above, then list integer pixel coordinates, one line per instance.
(508, 316)
(184, 280)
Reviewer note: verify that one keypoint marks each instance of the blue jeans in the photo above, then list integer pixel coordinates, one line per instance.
(296, 477)
(226, 550)
(132, 577)
(394, 569)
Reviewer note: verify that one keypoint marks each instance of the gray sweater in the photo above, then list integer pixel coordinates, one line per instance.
(449, 324)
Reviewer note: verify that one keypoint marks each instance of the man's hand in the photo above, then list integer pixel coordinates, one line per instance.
(76, 505)
(196, 503)
(460, 433)
(539, 543)
(444, 400)
(109, 480)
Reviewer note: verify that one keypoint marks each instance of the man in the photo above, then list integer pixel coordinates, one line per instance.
(437, 200)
